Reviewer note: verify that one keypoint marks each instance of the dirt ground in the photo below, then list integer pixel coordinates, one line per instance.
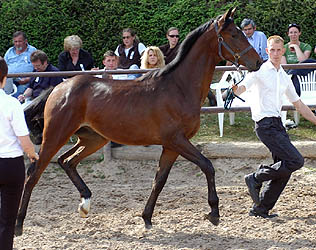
(121, 188)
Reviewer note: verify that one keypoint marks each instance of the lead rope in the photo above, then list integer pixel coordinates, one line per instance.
(230, 93)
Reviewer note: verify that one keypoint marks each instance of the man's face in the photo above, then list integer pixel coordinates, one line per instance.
(20, 43)
(110, 62)
(39, 67)
(249, 30)
(275, 51)
(173, 38)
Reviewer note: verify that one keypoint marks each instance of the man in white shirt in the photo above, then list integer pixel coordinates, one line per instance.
(111, 61)
(268, 85)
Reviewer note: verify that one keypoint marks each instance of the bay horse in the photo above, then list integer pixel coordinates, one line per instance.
(162, 108)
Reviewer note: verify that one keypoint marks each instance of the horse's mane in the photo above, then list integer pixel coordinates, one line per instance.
(184, 49)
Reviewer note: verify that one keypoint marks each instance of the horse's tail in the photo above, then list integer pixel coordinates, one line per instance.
(34, 116)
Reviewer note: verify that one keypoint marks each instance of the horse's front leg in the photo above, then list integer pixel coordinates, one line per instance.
(85, 146)
(166, 161)
(184, 147)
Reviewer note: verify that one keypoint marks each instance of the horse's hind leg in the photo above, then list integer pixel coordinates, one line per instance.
(85, 146)
(183, 146)
(166, 161)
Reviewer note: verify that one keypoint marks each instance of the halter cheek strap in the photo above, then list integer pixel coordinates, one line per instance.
(221, 43)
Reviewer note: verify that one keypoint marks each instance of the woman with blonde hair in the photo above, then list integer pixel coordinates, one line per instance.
(152, 58)
(74, 58)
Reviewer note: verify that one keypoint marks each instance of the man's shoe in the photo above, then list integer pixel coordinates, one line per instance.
(253, 188)
(256, 211)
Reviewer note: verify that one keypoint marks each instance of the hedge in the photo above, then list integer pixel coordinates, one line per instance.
(99, 22)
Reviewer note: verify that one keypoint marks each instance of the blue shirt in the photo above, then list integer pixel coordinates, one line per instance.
(259, 41)
(19, 63)
(38, 84)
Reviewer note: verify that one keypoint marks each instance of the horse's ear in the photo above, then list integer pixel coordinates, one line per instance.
(224, 18)
(232, 13)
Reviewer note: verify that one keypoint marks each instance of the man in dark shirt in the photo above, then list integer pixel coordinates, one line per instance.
(170, 50)
(37, 84)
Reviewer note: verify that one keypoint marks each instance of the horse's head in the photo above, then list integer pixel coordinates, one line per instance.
(233, 44)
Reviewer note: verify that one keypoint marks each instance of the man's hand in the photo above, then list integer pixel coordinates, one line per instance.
(24, 80)
(21, 98)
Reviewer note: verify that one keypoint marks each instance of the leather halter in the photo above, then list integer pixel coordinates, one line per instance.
(221, 42)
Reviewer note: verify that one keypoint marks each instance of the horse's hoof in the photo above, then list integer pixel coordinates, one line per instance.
(213, 219)
(148, 226)
(84, 208)
(18, 230)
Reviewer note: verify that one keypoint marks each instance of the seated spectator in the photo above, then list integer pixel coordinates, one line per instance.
(257, 39)
(152, 58)
(74, 58)
(170, 49)
(39, 83)
(296, 51)
(110, 62)
(130, 50)
(18, 61)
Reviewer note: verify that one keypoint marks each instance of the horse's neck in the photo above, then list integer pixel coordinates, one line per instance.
(198, 67)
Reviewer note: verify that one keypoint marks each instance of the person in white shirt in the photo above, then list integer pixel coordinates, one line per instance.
(268, 85)
(14, 139)
(130, 51)
(110, 62)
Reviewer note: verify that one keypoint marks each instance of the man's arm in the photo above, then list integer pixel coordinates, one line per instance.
(27, 93)
(305, 111)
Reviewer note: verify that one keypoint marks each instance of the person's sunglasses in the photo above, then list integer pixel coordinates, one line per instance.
(172, 36)
(126, 37)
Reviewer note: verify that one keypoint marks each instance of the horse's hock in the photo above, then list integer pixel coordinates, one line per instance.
(211, 150)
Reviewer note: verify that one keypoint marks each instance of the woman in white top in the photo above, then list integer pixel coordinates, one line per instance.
(14, 139)
(130, 51)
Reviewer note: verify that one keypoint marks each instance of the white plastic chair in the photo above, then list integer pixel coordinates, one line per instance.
(308, 93)
(225, 82)
(308, 90)
(15, 89)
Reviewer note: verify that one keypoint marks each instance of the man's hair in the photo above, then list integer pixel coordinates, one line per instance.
(19, 33)
(109, 53)
(246, 22)
(276, 39)
(39, 55)
(71, 42)
(3, 69)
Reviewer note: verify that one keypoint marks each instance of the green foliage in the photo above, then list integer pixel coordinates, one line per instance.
(99, 22)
